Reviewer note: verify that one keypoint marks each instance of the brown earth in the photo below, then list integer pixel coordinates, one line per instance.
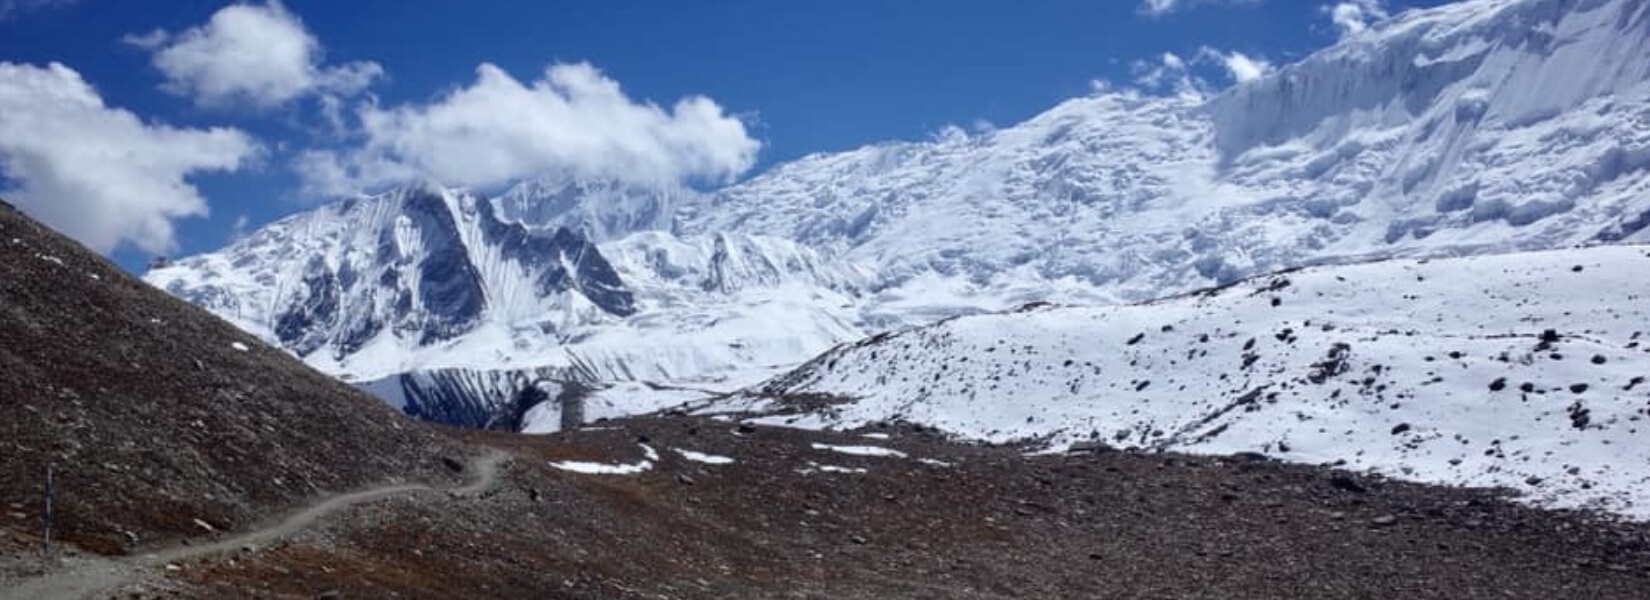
(990, 523)
(152, 418)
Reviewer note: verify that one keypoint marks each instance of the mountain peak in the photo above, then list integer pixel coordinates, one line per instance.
(415, 266)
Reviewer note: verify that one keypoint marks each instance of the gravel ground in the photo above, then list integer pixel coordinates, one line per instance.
(987, 523)
(161, 421)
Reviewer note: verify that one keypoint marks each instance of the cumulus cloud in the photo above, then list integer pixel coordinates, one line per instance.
(497, 129)
(100, 174)
(260, 54)
(1239, 66)
(1354, 16)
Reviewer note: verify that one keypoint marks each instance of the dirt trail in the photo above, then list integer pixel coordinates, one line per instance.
(88, 576)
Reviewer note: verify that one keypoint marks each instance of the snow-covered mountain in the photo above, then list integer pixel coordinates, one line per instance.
(1485, 126)
(1524, 370)
(415, 267)
(448, 304)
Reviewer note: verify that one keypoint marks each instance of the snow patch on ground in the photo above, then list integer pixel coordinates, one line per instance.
(814, 467)
(861, 450)
(701, 457)
(596, 468)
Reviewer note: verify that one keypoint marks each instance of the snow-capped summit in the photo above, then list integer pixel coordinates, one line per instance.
(598, 209)
(1478, 127)
(413, 267)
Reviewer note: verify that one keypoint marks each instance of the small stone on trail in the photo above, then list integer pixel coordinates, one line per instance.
(1346, 482)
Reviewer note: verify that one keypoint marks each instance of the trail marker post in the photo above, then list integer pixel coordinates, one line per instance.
(46, 518)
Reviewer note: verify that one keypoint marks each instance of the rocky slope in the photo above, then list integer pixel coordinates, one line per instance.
(158, 419)
(723, 511)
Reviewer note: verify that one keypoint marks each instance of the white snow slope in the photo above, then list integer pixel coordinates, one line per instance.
(1434, 371)
(1480, 126)
(1470, 128)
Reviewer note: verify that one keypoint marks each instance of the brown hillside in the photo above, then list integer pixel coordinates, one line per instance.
(154, 413)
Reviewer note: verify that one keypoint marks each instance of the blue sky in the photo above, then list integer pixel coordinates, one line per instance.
(227, 132)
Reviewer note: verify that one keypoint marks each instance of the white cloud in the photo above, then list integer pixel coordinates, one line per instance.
(100, 174)
(1239, 66)
(498, 129)
(1159, 7)
(1167, 72)
(1173, 61)
(260, 54)
(1174, 74)
(1244, 68)
(1354, 16)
